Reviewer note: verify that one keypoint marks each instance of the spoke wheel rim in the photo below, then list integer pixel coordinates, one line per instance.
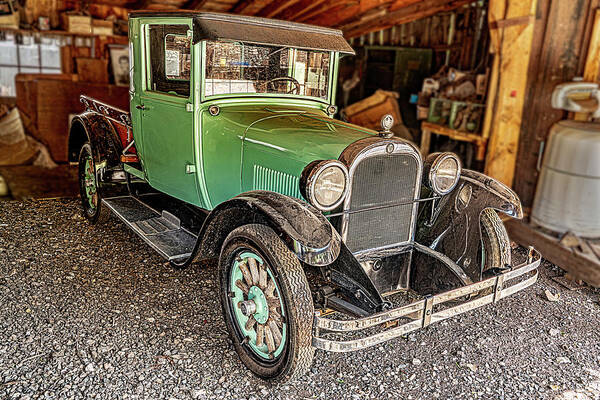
(89, 184)
(264, 330)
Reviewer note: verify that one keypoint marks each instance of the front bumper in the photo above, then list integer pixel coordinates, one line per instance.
(423, 311)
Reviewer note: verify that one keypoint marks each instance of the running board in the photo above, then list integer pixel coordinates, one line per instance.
(161, 230)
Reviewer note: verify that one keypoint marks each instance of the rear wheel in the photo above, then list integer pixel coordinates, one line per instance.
(267, 303)
(93, 209)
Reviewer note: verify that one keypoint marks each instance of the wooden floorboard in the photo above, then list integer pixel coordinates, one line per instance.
(577, 264)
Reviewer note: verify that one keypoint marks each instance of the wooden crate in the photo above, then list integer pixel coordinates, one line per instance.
(368, 112)
(47, 117)
(77, 23)
(10, 16)
(92, 70)
(102, 28)
(33, 9)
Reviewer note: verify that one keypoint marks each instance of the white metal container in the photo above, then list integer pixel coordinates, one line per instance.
(568, 192)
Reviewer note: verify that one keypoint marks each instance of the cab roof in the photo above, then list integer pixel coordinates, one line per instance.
(218, 26)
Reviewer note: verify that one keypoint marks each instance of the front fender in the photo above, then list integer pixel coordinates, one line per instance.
(451, 225)
(305, 230)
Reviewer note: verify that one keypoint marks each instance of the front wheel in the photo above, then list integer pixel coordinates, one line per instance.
(267, 303)
(495, 243)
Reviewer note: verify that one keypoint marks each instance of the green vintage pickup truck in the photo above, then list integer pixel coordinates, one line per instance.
(231, 152)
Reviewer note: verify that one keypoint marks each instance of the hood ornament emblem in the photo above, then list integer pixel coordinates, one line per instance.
(387, 122)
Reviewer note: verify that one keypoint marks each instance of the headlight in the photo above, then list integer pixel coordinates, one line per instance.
(324, 184)
(442, 171)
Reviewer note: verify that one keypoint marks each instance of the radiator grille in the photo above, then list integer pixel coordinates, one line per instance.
(275, 181)
(377, 181)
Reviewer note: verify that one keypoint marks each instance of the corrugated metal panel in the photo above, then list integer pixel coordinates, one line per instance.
(275, 181)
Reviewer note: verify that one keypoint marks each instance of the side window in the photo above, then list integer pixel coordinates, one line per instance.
(170, 59)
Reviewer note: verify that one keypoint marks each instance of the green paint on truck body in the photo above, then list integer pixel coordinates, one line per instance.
(257, 140)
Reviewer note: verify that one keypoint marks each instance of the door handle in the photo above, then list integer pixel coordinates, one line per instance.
(141, 107)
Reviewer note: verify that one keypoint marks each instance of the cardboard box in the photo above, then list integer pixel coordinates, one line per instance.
(9, 15)
(77, 23)
(47, 117)
(102, 27)
(92, 70)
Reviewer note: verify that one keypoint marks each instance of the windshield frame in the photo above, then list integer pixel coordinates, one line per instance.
(331, 90)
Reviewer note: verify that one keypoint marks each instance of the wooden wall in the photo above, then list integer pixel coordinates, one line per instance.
(462, 32)
(561, 38)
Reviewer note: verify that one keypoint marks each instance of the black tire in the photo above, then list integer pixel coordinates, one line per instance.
(297, 352)
(93, 209)
(496, 250)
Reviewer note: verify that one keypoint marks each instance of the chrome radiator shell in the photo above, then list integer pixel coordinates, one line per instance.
(384, 203)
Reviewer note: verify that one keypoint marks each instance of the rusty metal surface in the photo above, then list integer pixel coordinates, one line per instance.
(113, 113)
(450, 227)
(303, 228)
(422, 307)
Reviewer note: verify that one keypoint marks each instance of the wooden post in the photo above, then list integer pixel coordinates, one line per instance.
(592, 60)
(511, 24)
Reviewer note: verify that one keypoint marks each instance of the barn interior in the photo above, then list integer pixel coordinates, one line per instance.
(478, 78)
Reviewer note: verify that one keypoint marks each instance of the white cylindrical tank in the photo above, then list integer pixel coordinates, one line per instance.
(568, 191)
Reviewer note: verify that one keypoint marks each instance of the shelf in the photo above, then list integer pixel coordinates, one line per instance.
(427, 128)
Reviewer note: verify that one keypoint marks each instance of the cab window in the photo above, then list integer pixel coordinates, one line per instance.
(170, 59)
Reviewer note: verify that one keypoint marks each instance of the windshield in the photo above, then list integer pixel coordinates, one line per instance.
(250, 68)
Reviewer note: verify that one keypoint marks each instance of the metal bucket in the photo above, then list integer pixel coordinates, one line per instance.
(568, 192)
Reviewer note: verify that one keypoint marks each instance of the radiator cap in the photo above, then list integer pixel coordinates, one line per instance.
(387, 122)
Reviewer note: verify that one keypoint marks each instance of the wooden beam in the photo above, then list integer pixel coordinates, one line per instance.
(579, 265)
(141, 4)
(353, 10)
(274, 8)
(299, 8)
(592, 62)
(382, 19)
(240, 6)
(326, 8)
(557, 56)
(514, 23)
(398, 4)
(193, 4)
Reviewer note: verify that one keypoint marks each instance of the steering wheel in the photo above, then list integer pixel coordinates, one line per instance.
(296, 88)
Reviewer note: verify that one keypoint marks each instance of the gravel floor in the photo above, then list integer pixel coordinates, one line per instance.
(94, 313)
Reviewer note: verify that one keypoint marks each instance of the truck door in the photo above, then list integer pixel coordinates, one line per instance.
(167, 113)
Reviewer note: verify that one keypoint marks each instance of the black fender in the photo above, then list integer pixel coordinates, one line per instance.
(305, 231)
(451, 225)
(303, 228)
(106, 147)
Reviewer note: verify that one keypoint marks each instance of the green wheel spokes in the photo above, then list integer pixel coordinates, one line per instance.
(257, 305)
(90, 183)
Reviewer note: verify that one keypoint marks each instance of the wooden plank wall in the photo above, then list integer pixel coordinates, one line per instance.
(561, 38)
(511, 38)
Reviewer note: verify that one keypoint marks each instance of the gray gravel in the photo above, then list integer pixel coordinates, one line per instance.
(94, 313)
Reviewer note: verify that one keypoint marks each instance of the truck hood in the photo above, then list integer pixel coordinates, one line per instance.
(300, 134)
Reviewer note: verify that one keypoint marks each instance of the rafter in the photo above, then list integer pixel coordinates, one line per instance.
(327, 8)
(384, 20)
(140, 4)
(240, 6)
(194, 4)
(351, 11)
(300, 8)
(398, 4)
(275, 7)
